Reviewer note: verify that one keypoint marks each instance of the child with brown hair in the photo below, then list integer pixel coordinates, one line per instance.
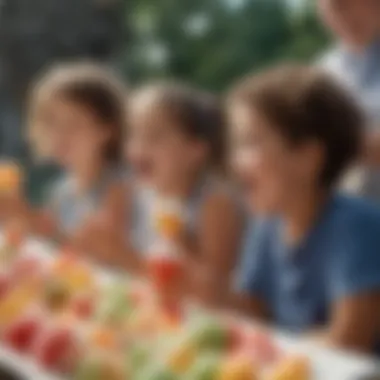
(77, 119)
(176, 153)
(312, 261)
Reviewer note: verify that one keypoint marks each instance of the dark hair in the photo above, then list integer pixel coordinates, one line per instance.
(93, 87)
(304, 103)
(197, 113)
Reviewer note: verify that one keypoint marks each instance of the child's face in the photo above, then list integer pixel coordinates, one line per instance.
(159, 153)
(272, 172)
(77, 136)
(356, 22)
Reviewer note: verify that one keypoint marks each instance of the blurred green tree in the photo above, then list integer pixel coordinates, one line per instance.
(212, 42)
(308, 38)
(38, 33)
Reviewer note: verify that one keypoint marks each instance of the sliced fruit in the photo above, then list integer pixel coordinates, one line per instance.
(15, 303)
(155, 373)
(291, 368)
(210, 334)
(21, 333)
(143, 322)
(15, 233)
(57, 349)
(64, 263)
(116, 306)
(237, 336)
(182, 358)
(100, 367)
(83, 306)
(7, 255)
(139, 294)
(80, 279)
(26, 267)
(139, 356)
(57, 294)
(237, 368)
(5, 284)
(205, 368)
(260, 347)
(104, 338)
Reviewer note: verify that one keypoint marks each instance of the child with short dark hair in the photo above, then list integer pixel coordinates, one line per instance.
(312, 261)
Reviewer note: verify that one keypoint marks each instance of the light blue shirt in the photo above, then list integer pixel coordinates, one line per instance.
(361, 75)
(340, 257)
(69, 208)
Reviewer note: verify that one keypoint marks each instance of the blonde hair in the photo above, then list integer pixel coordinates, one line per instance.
(89, 84)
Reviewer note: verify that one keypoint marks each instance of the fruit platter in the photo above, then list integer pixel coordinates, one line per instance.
(62, 318)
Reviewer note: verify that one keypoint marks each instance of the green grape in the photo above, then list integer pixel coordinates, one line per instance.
(115, 306)
(209, 334)
(205, 368)
(155, 373)
(139, 356)
(90, 369)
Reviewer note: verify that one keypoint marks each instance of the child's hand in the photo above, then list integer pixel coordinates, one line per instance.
(12, 206)
(15, 232)
(96, 238)
(169, 219)
(83, 238)
(44, 224)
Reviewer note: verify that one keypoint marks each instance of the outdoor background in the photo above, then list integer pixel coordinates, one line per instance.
(206, 42)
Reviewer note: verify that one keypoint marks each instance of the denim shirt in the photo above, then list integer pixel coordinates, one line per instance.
(339, 257)
(361, 75)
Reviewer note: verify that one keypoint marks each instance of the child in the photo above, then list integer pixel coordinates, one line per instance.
(176, 151)
(78, 115)
(313, 262)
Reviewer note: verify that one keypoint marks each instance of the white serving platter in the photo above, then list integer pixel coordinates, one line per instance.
(327, 364)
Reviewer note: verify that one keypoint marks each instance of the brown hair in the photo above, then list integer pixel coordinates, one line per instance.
(197, 113)
(303, 103)
(89, 85)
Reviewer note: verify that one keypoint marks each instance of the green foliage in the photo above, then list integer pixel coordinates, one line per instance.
(308, 36)
(213, 42)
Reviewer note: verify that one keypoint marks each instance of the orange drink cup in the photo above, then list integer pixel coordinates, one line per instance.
(11, 178)
(169, 218)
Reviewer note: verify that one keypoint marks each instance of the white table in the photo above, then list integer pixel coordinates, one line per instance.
(331, 364)
(327, 364)
(21, 366)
